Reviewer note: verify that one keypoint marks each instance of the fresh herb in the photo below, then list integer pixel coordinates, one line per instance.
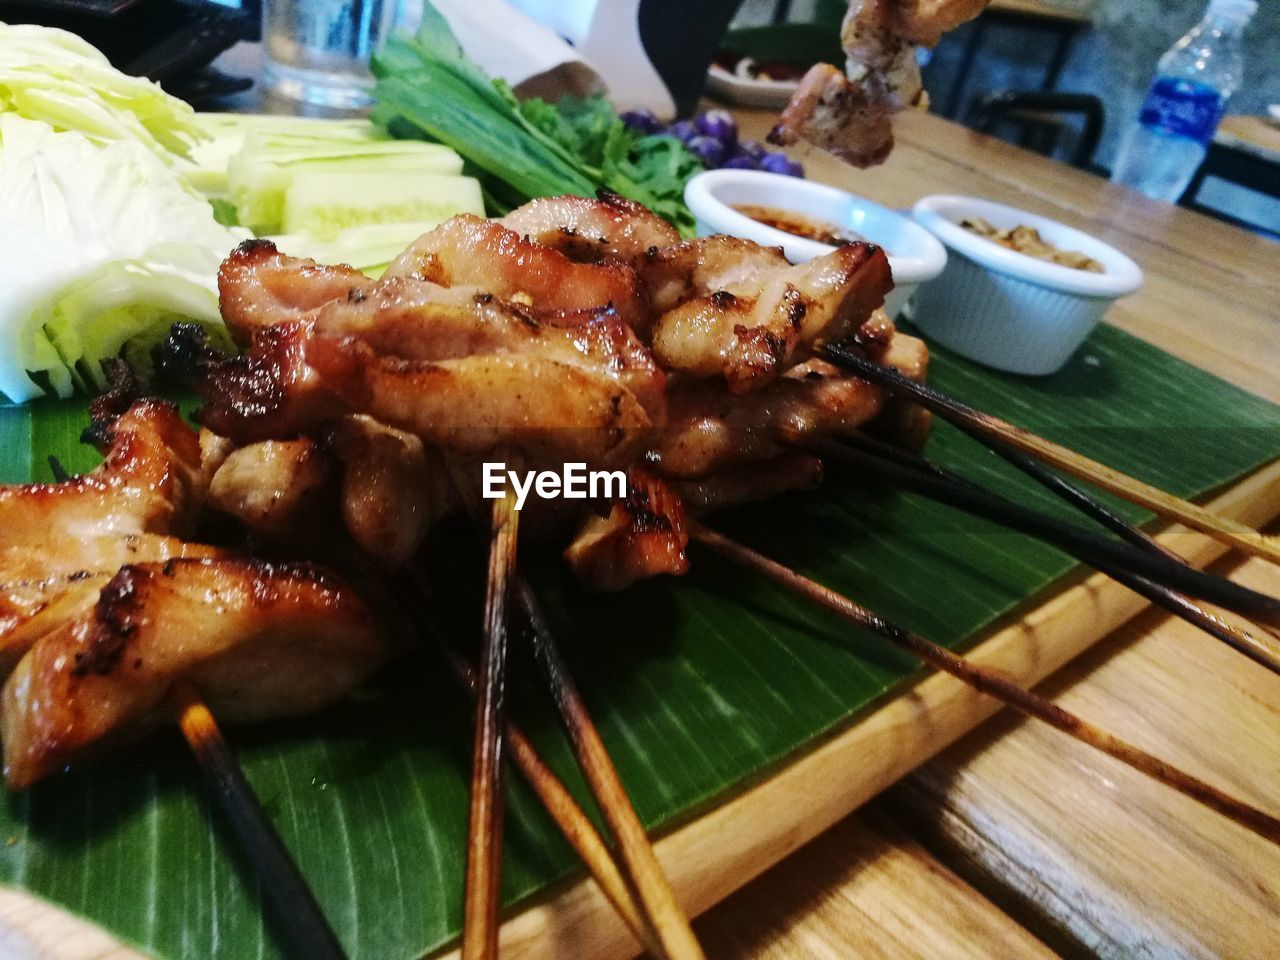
(428, 87)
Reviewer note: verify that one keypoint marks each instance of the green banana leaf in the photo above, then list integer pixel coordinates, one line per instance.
(697, 684)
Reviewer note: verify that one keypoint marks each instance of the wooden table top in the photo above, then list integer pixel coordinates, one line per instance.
(1017, 841)
(1254, 134)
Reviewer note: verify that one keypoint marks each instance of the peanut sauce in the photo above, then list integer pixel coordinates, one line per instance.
(1027, 240)
(799, 225)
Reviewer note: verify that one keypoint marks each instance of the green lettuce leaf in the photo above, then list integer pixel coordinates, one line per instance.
(57, 78)
(104, 245)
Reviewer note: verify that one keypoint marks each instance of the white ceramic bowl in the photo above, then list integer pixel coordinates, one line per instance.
(1004, 308)
(914, 255)
(749, 91)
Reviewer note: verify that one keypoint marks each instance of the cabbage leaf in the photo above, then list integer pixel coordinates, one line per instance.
(104, 245)
(56, 77)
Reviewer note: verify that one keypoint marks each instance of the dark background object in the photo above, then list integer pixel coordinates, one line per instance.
(169, 41)
(797, 44)
(681, 38)
(1039, 121)
(1225, 162)
(1061, 28)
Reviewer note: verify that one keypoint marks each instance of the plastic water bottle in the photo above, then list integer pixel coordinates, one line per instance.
(1193, 80)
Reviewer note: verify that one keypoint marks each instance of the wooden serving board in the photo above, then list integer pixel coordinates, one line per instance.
(713, 855)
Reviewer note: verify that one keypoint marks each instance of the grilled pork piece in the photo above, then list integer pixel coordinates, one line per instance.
(710, 430)
(838, 115)
(879, 57)
(473, 252)
(42, 586)
(925, 21)
(751, 483)
(418, 320)
(393, 488)
(269, 392)
(281, 489)
(849, 116)
(902, 421)
(643, 536)
(589, 231)
(745, 325)
(256, 640)
(149, 482)
(549, 410)
(259, 287)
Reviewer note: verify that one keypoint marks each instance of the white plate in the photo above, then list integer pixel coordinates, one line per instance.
(746, 92)
(1273, 113)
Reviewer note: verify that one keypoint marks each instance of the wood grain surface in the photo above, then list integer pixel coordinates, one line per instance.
(717, 853)
(1054, 844)
(1093, 858)
(1257, 135)
(881, 894)
(1091, 852)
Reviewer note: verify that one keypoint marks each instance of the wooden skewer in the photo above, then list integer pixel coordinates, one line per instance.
(1258, 649)
(574, 824)
(995, 685)
(300, 918)
(482, 897)
(993, 429)
(665, 924)
(59, 472)
(1103, 553)
(1262, 650)
(664, 914)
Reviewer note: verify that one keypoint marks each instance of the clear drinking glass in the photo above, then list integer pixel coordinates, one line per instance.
(317, 51)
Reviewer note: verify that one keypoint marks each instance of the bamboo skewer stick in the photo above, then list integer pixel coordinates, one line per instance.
(576, 827)
(59, 472)
(284, 888)
(992, 429)
(665, 923)
(482, 897)
(667, 918)
(574, 824)
(1259, 649)
(995, 685)
(1262, 650)
(1103, 553)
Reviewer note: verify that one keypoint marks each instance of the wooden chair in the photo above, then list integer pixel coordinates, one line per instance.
(1038, 118)
(1241, 167)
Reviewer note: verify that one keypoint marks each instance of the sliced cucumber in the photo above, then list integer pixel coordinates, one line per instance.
(224, 136)
(369, 247)
(261, 172)
(323, 204)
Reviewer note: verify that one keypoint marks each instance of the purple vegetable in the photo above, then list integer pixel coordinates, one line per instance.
(707, 149)
(781, 163)
(752, 149)
(739, 162)
(642, 121)
(684, 130)
(719, 124)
